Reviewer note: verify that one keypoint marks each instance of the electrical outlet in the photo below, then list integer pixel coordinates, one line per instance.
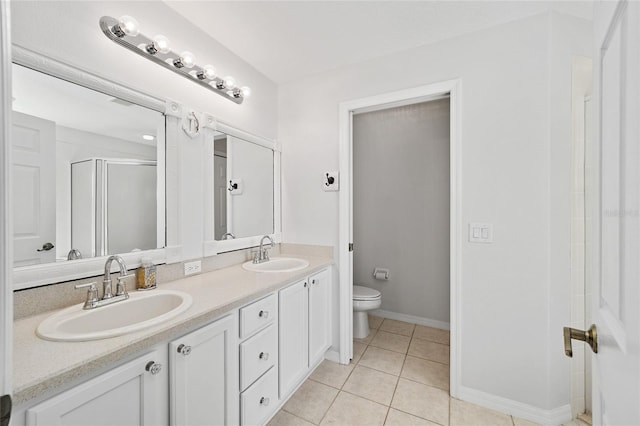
(331, 181)
(191, 268)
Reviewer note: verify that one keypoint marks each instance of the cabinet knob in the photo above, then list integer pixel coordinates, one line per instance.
(313, 281)
(153, 367)
(264, 356)
(184, 349)
(305, 284)
(263, 314)
(264, 401)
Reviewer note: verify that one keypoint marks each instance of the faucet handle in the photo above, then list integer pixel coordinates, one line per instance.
(92, 295)
(121, 286)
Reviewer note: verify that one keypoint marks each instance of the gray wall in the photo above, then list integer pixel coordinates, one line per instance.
(401, 206)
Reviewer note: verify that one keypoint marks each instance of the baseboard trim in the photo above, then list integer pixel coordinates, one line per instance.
(411, 318)
(333, 356)
(556, 416)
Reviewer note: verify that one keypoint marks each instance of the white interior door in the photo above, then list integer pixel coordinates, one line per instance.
(33, 142)
(616, 366)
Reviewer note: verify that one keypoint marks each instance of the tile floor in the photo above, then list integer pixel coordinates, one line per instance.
(399, 375)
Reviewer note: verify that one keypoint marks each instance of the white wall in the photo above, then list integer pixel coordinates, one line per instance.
(401, 207)
(515, 164)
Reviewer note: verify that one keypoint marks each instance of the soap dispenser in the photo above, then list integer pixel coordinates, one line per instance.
(146, 274)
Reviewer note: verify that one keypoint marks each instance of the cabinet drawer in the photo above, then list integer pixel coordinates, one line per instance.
(259, 401)
(257, 355)
(258, 315)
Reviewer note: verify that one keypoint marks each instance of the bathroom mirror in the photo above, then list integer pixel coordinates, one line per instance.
(242, 189)
(88, 168)
(243, 182)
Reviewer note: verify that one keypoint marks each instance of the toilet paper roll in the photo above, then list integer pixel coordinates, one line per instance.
(381, 275)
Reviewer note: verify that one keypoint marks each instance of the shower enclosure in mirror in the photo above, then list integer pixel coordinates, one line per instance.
(88, 168)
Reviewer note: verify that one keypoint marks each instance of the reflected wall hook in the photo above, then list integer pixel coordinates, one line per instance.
(232, 185)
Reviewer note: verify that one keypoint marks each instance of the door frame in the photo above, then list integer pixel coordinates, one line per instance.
(6, 246)
(345, 258)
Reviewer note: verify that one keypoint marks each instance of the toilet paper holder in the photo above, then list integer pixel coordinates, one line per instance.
(381, 274)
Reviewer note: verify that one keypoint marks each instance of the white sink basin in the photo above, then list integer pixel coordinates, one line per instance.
(277, 264)
(141, 310)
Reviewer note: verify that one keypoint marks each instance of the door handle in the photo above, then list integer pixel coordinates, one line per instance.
(46, 247)
(590, 337)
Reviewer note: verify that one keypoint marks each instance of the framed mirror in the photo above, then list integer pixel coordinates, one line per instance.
(88, 171)
(242, 190)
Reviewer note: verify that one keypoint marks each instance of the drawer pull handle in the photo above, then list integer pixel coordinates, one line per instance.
(263, 314)
(264, 356)
(153, 367)
(184, 349)
(264, 401)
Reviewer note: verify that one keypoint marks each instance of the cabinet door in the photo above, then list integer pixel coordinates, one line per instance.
(294, 333)
(319, 315)
(204, 375)
(133, 394)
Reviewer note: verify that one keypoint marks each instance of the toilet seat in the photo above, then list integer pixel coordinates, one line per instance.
(365, 293)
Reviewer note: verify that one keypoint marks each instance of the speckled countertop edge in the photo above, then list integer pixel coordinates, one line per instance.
(41, 365)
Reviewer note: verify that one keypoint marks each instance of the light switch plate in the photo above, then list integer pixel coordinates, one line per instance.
(331, 181)
(480, 233)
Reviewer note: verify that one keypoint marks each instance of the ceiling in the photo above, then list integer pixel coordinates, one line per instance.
(70, 105)
(291, 40)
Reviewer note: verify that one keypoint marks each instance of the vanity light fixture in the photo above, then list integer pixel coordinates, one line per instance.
(125, 32)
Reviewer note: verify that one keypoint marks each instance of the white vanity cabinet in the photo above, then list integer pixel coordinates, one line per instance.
(304, 319)
(135, 393)
(204, 375)
(259, 361)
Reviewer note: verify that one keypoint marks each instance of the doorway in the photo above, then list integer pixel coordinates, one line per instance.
(581, 196)
(345, 250)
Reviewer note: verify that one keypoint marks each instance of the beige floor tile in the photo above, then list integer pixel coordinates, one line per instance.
(371, 384)
(397, 327)
(399, 418)
(421, 400)
(522, 422)
(576, 422)
(311, 401)
(383, 360)
(331, 373)
(374, 321)
(428, 372)
(429, 350)
(287, 419)
(391, 341)
(369, 338)
(433, 334)
(352, 410)
(466, 414)
(358, 350)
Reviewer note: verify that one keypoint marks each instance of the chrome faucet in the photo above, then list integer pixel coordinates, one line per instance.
(228, 236)
(263, 255)
(106, 282)
(107, 296)
(74, 254)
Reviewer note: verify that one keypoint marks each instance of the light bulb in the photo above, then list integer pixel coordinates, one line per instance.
(148, 137)
(187, 59)
(161, 44)
(209, 71)
(229, 82)
(129, 25)
(246, 91)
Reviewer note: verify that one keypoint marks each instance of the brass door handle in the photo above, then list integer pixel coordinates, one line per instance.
(590, 336)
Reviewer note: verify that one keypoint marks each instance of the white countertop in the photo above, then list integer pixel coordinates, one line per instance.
(42, 365)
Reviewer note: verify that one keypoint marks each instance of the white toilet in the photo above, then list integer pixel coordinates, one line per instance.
(365, 299)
